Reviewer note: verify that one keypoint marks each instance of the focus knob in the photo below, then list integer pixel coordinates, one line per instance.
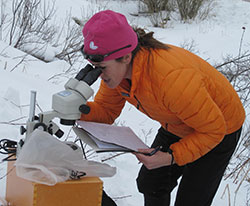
(85, 109)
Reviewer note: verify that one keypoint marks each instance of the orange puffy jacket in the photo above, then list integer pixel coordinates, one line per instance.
(188, 96)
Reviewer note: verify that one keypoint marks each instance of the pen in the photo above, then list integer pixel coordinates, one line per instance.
(158, 148)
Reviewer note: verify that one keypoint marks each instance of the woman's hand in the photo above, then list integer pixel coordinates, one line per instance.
(159, 159)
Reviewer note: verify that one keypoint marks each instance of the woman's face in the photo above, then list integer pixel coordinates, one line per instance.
(114, 72)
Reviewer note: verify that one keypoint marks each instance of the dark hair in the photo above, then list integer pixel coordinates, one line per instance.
(146, 41)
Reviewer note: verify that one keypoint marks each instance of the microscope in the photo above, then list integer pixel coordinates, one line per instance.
(67, 105)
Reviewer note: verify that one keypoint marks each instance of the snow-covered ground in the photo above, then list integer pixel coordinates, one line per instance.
(213, 38)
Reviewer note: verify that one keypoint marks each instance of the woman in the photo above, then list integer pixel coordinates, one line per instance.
(200, 113)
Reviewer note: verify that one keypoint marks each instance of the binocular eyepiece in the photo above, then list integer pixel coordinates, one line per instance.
(89, 74)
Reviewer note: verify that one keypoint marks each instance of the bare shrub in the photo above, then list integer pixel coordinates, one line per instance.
(3, 18)
(206, 11)
(31, 26)
(29, 19)
(190, 45)
(158, 11)
(156, 5)
(189, 9)
(237, 71)
(71, 43)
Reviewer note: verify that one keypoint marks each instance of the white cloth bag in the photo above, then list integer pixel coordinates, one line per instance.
(47, 160)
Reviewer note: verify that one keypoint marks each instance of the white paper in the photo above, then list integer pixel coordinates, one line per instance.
(118, 135)
(105, 145)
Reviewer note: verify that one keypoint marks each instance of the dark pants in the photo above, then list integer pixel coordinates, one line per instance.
(200, 179)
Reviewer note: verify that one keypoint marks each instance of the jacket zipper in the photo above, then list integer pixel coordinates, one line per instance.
(139, 105)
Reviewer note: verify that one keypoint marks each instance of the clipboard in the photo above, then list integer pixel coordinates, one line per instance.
(108, 138)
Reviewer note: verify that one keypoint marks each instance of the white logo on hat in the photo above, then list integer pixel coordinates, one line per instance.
(92, 45)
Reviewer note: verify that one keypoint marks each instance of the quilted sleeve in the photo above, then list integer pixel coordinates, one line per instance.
(186, 95)
(106, 107)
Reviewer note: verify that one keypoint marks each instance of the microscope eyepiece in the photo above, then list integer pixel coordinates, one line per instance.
(89, 74)
(83, 72)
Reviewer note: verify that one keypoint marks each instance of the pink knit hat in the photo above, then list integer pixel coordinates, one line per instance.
(106, 32)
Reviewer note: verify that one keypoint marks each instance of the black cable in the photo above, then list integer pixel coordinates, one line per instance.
(83, 151)
(8, 147)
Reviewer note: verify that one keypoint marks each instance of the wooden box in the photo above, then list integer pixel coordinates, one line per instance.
(84, 192)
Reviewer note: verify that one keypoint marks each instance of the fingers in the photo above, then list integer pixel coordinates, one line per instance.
(147, 161)
(159, 159)
(151, 152)
(143, 158)
(140, 155)
(146, 150)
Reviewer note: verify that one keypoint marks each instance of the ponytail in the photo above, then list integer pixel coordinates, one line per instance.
(147, 41)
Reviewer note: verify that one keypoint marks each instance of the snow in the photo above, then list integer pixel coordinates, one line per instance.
(20, 73)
